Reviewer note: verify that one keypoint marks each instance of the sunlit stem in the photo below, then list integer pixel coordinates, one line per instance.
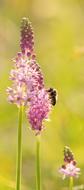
(19, 151)
(38, 172)
(71, 183)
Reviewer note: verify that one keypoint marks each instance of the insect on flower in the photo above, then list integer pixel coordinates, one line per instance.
(53, 95)
(28, 87)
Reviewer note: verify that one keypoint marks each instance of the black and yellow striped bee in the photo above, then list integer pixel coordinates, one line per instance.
(52, 93)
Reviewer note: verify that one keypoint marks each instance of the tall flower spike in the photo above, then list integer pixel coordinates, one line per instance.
(26, 74)
(27, 37)
(69, 168)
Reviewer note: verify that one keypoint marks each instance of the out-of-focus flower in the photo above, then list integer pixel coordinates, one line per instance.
(69, 168)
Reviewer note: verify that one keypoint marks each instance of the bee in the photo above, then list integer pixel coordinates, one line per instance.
(52, 93)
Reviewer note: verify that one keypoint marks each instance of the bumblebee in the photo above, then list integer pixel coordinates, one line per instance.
(52, 93)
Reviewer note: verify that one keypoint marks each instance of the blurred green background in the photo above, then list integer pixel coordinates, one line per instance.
(59, 44)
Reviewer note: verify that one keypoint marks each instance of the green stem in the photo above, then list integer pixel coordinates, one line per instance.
(71, 183)
(19, 151)
(38, 175)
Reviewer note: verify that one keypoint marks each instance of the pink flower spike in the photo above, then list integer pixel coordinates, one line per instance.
(40, 106)
(69, 169)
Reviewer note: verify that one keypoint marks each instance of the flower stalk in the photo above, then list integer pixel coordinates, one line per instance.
(38, 172)
(71, 183)
(19, 151)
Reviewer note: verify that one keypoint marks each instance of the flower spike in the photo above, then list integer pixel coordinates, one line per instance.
(69, 169)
